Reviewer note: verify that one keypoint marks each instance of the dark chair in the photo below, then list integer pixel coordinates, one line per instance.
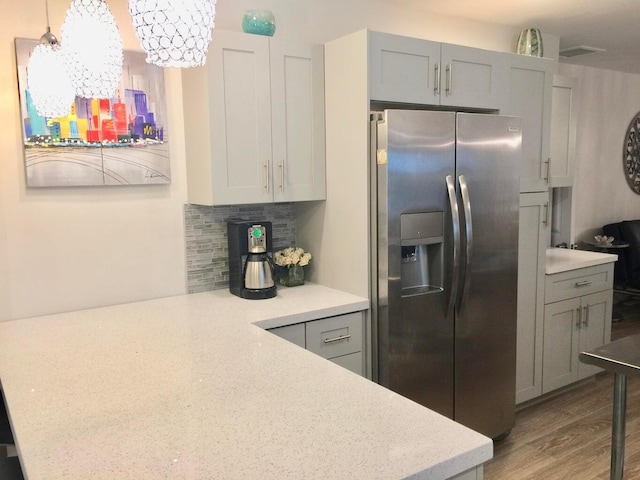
(627, 268)
(6, 438)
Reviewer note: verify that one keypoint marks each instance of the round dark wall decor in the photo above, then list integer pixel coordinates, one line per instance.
(631, 156)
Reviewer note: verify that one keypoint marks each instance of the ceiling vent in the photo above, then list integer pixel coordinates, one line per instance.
(579, 50)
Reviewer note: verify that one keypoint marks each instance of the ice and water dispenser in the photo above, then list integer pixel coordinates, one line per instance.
(421, 236)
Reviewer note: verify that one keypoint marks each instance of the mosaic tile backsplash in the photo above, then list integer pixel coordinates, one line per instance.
(206, 239)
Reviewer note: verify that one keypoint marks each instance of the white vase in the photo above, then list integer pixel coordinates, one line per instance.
(530, 42)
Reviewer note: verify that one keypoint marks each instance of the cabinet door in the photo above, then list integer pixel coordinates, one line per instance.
(561, 344)
(531, 263)
(403, 69)
(563, 131)
(472, 77)
(530, 93)
(297, 113)
(596, 326)
(353, 362)
(240, 112)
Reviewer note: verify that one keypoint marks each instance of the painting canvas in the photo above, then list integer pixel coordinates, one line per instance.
(103, 141)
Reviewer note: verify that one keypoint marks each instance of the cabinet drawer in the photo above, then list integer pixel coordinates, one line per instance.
(574, 283)
(335, 336)
(352, 362)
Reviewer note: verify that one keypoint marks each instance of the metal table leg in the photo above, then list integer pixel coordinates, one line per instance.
(619, 422)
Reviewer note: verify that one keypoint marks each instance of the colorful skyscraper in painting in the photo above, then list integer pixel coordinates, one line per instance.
(92, 121)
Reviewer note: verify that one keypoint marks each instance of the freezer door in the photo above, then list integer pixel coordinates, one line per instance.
(487, 173)
(415, 153)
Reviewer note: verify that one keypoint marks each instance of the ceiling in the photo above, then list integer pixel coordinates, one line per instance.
(613, 25)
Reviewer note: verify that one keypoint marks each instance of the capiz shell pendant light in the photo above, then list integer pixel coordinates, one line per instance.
(93, 49)
(48, 84)
(174, 33)
(47, 81)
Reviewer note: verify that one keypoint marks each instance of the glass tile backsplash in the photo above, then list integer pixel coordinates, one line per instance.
(206, 239)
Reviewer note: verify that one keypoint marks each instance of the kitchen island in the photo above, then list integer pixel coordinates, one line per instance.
(192, 387)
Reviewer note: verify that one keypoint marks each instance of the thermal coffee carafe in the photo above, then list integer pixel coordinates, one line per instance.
(251, 271)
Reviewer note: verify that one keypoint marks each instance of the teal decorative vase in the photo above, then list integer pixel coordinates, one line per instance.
(259, 22)
(530, 42)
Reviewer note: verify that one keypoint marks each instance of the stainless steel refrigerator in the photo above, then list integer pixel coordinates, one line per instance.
(445, 198)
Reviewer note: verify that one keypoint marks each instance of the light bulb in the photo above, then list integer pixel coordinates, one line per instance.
(47, 80)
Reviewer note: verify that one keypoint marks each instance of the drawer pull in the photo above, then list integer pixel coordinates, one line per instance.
(583, 283)
(337, 339)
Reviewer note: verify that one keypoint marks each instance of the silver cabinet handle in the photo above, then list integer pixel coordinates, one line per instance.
(449, 88)
(545, 222)
(579, 314)
(548, 177)
(585, 320)
(266, 176)
(337, 339)
(583, 283)
(282, 176)
(436, 80)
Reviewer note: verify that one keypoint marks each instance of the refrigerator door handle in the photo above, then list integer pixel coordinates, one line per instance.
(466, 202)
(455, 221)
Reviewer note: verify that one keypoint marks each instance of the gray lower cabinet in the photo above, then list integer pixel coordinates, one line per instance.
(577, 317)
(339, 339)
(532, 242)
(473, 474)
(294, 333)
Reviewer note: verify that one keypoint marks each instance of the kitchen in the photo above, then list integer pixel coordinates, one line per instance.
(65, 250)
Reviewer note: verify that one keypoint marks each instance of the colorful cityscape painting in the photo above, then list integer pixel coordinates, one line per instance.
(103, 141)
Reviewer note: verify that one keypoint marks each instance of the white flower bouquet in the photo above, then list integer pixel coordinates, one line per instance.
(291, 256)
(290, 263)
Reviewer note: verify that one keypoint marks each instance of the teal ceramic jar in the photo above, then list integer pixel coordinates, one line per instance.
(259, 22)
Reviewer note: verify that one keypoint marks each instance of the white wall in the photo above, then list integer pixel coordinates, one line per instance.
(71, 248)
(606, 103)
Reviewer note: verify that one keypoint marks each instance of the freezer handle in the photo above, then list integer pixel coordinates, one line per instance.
(455, 222)
(466, 202)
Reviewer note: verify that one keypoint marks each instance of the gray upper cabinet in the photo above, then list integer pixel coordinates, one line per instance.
(530, 84)
(254, 122)
(412, 70)
(563, 131)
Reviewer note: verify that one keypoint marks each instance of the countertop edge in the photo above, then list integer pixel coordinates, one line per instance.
(596, 258)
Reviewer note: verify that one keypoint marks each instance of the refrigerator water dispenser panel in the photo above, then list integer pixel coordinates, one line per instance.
(421, 237)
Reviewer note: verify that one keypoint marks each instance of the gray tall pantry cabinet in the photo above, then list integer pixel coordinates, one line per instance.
(530, 97)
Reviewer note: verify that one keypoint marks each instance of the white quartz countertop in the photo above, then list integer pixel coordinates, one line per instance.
(188, 387)
(564, 259)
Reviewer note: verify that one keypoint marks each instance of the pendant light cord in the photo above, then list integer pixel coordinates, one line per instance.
(48, 37)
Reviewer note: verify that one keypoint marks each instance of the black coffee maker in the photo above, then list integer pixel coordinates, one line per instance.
(251, 270)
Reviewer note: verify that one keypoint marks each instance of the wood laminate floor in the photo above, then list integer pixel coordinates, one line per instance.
(568, 437)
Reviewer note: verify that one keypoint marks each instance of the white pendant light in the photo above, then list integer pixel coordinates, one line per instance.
(47, 81)
(92, 48)
(174, 33)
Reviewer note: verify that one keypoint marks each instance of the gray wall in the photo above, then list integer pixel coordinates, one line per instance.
(206, 239)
